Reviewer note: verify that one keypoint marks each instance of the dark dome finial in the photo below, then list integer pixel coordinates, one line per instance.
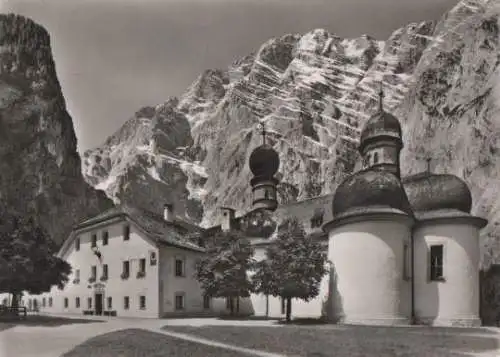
(264, 160)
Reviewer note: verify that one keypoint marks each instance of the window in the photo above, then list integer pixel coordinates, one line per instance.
(110, 302)
(142, 265)
(77, 302)
(436, 263)
(179, 301)
(104, 272)
(126, 269)
(43, 302)
(368, 158)
(142, 302)
(283, 306)
(77, 274)
(50, 301)
(126, 232)
(65, 303)
(375, 158)
(77, 244)
(105, 237)
(179, 267)
(93, 272)
(152, 258)
(94, 241)
(317, 220)
(266, 194)
(89, 303)
(126, 302)
(206, 301)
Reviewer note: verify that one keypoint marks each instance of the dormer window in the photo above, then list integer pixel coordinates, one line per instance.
(126, 232)
(77, 244)
(93, 240)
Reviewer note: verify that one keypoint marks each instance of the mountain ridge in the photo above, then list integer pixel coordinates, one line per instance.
(314, 92)
(41, 169)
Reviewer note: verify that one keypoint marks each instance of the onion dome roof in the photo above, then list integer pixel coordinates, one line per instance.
(264, 161)
(431, 192)
(381, 124)
(370, 189)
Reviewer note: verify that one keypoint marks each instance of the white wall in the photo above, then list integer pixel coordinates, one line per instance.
(113, 255)
(368, 285)
(300, 308)
(455, 300)
(188, 285)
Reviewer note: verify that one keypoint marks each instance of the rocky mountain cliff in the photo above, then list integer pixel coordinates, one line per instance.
(40, 169)
(314, 92)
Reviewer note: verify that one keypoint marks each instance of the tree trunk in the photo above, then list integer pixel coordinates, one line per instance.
(231, 305)
(14, 303)
(288, 309)
(267, 305)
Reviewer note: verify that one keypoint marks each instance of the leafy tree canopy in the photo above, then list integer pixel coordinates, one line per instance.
(295, 265)
(222, 272)
(27, 256)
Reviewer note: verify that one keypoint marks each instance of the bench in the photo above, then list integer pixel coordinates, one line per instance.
(13, 313)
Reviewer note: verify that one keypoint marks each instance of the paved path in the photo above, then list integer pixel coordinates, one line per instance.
(31, 341)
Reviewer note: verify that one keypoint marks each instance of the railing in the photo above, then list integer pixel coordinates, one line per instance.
(7, 312)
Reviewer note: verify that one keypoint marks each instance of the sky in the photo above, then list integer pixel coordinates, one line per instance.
(115, 56)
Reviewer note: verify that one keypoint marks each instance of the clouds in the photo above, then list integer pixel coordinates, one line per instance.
(114, 56)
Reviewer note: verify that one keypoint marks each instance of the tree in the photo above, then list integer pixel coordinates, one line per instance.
(295, 266)
(263, 279)
(27, 257)
(222, 272)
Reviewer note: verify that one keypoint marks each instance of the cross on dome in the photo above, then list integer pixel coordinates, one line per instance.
(381, 95)
(263, 132)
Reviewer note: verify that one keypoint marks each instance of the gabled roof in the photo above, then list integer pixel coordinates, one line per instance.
(178, 233)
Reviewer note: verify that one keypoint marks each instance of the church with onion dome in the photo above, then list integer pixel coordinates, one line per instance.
(404, 250)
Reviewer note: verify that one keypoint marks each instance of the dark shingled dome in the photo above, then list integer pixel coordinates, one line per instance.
(380, 124)
(370, 188)
(429, 192)
(264, 161)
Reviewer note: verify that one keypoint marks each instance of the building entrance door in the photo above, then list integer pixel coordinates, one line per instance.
(98, 304)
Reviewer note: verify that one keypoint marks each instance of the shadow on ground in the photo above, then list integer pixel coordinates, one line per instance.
(140, 343)
(356, 341)
(44, 321)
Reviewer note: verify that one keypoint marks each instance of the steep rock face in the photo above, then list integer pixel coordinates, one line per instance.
(144, 163)
(40, 167)
(315, 91)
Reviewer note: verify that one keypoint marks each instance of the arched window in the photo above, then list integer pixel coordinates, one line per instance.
(366, 160)
(375, 158)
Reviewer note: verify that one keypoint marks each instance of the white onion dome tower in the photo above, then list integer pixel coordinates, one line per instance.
(370, 234)
(264, 163)
(381, 140)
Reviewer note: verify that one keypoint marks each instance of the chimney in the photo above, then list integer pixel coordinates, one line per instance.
(226, 218)
(168, 212)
